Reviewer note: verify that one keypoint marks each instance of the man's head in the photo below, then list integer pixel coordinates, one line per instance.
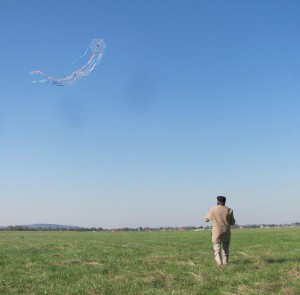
(221, 200)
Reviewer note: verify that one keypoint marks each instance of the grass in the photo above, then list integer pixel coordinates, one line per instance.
(263, 261)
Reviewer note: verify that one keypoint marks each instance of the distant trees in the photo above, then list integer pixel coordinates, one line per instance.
(42, 228)
(127, 229)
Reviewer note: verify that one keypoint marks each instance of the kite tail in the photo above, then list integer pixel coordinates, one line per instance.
(97, 46)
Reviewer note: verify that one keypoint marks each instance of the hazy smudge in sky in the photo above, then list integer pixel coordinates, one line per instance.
(72, 112)
(142, 89)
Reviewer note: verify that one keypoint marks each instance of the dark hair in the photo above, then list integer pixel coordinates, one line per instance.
(221, 199)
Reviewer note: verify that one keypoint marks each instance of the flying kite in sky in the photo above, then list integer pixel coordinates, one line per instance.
(97, 46)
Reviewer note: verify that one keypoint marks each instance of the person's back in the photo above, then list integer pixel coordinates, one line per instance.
(222, 218)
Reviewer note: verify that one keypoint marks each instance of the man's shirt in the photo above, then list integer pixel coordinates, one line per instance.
(222, 218)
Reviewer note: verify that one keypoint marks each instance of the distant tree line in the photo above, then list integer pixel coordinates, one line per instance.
(139, 229)
(60, 228)
(273, 225)
(95, 229)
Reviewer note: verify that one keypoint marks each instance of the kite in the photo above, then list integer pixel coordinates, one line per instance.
(97, 46)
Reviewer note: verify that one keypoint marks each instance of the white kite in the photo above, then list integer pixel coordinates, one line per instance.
(97, 46)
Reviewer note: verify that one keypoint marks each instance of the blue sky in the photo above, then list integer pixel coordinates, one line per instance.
(192, 99)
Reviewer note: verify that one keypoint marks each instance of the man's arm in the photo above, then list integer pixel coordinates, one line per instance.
(232, 220)
(207, 217)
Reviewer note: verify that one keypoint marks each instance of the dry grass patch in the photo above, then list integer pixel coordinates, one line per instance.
(198, 277)
(189, 262)
(295, 272)
(94, 262)
(245, 254)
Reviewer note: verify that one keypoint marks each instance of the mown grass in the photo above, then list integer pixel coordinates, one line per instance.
(263, 261)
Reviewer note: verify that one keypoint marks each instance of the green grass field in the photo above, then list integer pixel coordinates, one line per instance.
(263, 261)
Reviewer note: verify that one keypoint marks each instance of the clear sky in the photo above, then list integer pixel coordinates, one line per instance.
(192, 99)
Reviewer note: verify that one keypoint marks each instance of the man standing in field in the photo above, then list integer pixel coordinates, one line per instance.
(222, 218)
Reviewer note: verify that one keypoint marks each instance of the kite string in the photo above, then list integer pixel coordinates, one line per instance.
(81, 56)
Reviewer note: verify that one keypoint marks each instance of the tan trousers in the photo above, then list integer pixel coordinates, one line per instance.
(221, 256)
